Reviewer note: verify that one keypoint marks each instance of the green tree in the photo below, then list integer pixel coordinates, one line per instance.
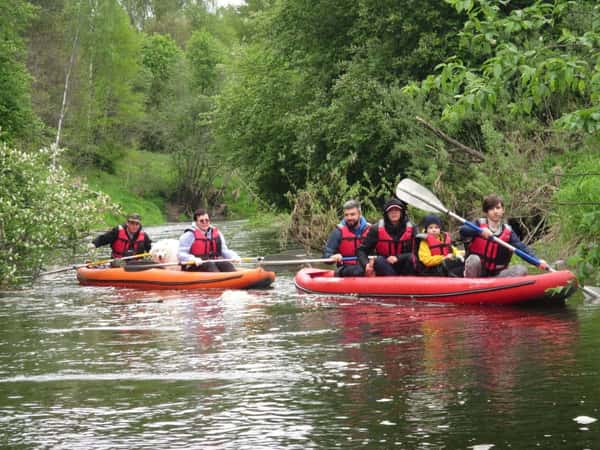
(204, 52)
(105, 107)
(160, 55)
(17, 119)
(317, 92)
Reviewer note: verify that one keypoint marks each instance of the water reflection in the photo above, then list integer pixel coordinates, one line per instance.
(410, 366)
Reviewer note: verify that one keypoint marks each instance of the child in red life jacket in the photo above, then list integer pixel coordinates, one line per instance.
(437, 255)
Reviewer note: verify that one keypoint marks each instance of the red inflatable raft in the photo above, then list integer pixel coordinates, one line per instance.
(172, 279)
(553, 286)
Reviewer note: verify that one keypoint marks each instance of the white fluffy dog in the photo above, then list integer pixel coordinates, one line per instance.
(165, 251)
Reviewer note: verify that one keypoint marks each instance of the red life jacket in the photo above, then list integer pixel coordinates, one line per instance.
(350, 242)
(494, 257)
(122, 244)
(386, 246)
(438, 247)
(205, 247)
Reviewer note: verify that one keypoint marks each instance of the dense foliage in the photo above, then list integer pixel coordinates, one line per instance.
(16, 116)
(41, 209)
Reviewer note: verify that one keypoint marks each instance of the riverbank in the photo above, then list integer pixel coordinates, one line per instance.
(146, 183)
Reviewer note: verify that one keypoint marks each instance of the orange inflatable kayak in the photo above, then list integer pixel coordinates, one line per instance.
(171, 279)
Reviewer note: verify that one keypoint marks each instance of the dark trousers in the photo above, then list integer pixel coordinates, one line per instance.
(350, 270)
(404, 266)
(211, 266)
(453, 268)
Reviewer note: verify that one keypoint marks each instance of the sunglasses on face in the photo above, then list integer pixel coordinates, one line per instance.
(203, 220)
(132, 223)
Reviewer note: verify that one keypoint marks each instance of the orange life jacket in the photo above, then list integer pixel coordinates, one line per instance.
(205, 247)
(123, 246)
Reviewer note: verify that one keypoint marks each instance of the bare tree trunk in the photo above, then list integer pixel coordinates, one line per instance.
(476, 154)
(90, 84)
(63, 106)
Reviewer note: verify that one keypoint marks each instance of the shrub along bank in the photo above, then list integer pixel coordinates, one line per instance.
(42, 209)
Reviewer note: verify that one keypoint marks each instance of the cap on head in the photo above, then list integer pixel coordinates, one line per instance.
(394, 203)
(430, 219)
(134, 218)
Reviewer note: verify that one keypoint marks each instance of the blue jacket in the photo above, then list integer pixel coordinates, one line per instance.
(335, 237)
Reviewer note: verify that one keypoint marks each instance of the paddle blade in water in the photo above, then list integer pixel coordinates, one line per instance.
(419, 196)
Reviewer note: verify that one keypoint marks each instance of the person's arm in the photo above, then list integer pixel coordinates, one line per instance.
(147, 242)
(226, 252)
(185, 244)
(426, 257)
(106, 238)
(333, 243)
(467, 233)
(516, 242)
(367, 246)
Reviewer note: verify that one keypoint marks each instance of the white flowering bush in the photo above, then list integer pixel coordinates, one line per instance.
(42, 209)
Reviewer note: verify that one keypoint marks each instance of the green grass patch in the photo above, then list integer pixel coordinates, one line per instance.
(142, 182)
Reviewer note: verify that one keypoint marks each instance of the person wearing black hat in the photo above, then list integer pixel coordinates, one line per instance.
(393, 240)
(127, 239)
(436, 254)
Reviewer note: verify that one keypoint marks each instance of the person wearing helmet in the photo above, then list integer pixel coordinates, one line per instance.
(392, 239)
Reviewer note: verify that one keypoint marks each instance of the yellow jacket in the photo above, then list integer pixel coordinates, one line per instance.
(430, 260)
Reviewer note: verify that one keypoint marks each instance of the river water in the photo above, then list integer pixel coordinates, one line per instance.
(106, 368)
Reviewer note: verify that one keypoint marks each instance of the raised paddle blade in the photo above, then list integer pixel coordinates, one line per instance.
(419, 196)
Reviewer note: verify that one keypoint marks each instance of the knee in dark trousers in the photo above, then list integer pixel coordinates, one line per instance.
(350, 270)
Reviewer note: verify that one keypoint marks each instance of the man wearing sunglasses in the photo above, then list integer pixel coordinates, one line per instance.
(205, 245)
(127, 239)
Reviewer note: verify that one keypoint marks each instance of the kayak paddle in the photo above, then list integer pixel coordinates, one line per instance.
(94, 263)
(422, 198)
(140, 267)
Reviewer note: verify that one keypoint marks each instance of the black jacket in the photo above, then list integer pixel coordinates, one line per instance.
(110, 236)
(370, 241)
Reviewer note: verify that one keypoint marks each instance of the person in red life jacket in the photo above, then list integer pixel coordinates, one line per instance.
(127, 239)
(485, 257)
(437, 256)
(393, 240)
(205, 245)
(345, 239)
